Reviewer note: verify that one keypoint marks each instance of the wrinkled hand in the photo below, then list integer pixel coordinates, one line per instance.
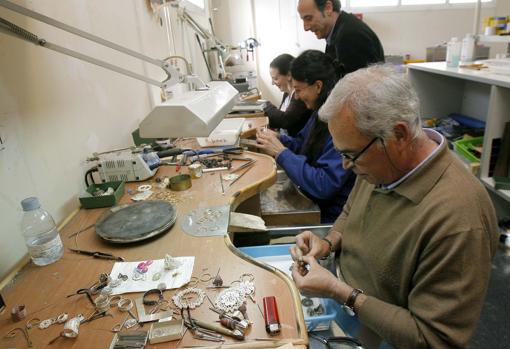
(312, 279)
(268, 140)
(309, 244)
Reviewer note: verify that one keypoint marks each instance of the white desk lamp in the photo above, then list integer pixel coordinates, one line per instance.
(187, 113)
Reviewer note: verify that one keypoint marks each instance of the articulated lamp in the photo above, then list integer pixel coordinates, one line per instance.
(188, 113)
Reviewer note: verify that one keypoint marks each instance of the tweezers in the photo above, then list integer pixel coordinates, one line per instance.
(97, 254)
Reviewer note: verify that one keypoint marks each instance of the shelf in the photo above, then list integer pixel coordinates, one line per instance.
(494, 38)
(481, 76)
(489, 183)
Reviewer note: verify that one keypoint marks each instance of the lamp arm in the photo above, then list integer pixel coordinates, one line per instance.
(173, 76)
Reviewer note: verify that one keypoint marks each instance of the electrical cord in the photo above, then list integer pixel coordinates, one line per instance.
(89, 173)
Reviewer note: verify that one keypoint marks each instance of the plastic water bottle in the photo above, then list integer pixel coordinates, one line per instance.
(468, 49)
(453, 53)
(40, 233)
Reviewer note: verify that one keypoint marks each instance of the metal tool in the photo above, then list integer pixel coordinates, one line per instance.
(242, 174)
(98, 254)
(81, 231)
(24, 331)
(144, 317)
(249, 163)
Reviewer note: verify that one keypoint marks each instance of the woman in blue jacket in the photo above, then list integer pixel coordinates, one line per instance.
(310, 159)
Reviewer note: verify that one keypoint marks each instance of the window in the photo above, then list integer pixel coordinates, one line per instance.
(402, 3)
(198, 3)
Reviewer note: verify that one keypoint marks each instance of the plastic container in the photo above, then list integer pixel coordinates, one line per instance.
(279, 257)
(464, 147)
(89, 201)
(467, 54)
(453, 51)
(40, 233)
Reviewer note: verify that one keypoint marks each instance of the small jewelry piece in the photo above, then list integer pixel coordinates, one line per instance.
(123, 277)
(106, 291)
(48, 322)
(18, 312)
(144, 187)
(102, 303)
(161, 286)
(307, 302)
(138, 276)
(182, 298)
(152, 302)
(171, 263)
(114, 301)
(32, 322)
(125, 304)
(156, 276)
(229, 300)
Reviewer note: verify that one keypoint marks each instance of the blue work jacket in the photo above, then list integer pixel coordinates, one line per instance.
(325, 181)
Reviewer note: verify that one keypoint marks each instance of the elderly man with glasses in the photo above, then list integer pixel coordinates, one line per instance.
(418, 232)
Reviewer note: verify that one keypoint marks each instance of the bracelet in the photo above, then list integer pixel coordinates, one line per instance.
(152, 291)
(331, 251)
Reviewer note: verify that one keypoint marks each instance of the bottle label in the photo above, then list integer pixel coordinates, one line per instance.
(47, 250)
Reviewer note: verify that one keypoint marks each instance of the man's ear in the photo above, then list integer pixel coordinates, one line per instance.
(319, 85)
(328, 8)
(402, 133)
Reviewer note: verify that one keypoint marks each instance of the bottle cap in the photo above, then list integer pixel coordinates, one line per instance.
(30, 204)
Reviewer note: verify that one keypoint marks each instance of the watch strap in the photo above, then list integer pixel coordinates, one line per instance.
(351, 300)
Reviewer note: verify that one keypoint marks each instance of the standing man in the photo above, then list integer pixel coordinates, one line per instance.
(349, 41)
(418, 232)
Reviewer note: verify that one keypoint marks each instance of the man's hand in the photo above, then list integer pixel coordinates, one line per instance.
(268, 140)
(309, 244)
(313, 280)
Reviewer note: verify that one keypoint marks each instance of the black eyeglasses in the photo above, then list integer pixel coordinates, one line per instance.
(353, 158)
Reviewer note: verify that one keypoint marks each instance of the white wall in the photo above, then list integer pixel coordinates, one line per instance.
(279, 29)
(56, 110)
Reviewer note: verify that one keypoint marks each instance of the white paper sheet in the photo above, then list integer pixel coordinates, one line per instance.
(183, 276)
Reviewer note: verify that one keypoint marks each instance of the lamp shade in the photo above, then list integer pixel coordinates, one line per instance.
(190, 114)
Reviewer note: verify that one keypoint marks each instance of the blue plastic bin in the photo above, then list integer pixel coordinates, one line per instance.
(313, 323)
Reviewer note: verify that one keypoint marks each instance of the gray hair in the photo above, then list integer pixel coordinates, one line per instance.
(378, 97)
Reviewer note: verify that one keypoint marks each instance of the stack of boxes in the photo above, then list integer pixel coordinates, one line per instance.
(498, 25)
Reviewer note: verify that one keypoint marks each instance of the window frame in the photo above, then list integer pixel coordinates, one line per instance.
(346, 5)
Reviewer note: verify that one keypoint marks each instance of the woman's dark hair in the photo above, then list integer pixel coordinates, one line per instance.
(282, 63)
(309, 67)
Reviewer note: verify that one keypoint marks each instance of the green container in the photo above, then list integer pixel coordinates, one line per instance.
(464, 147)
(103, 201)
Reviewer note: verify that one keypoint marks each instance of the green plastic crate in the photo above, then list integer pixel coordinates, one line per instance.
(103, 201)
(463, 147)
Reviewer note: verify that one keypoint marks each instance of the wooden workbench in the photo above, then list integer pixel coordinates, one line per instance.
(43, 290)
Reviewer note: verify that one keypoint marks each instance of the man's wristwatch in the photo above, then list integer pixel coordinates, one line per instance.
(349, 303)
(331, 250)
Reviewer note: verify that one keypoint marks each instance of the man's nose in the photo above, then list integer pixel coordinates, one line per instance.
(306, 27)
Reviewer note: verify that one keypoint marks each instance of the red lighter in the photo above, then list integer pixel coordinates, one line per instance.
(271, 315)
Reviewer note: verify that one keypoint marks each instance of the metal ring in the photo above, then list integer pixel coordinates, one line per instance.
(114, 300)
(125, 304)
(204, 276)
(250, 275)
(193, 281)
(32, 322)
(144, 187)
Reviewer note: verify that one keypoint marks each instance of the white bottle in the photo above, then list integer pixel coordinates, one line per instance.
(40, 233)
(453, 53)
(467, 54)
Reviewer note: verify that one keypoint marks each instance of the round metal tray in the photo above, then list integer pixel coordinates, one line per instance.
(136, 221)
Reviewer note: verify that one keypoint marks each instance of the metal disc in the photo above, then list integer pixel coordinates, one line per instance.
(137, 221)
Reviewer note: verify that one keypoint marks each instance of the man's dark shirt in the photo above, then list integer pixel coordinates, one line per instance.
(353, 44)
